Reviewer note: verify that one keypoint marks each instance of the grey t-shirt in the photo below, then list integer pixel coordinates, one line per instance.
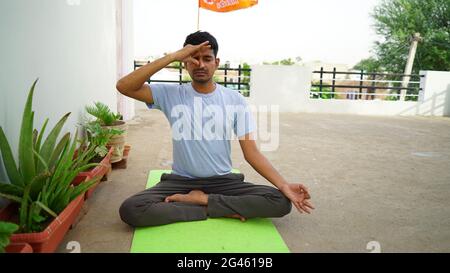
(202, 126)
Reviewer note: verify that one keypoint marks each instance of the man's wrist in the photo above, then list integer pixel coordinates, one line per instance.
(283, 186)
(170, 58)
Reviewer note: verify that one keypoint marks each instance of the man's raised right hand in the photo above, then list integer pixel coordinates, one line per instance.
(185, 54)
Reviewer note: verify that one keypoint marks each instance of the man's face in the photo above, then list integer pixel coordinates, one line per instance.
(207, 65)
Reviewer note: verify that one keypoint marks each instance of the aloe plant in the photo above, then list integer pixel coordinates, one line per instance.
(103, 114)
(41, 181)
(6, 229)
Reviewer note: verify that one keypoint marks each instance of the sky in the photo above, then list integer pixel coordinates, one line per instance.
(331, 31)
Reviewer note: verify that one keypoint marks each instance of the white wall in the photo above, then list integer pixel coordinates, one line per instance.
(71, 48)
(2, 121)
(436, 94)
(280, 85)
(288, 87)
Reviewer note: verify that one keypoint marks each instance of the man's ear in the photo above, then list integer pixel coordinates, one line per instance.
(217, 62)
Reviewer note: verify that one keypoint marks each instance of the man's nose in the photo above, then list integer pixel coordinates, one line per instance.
(201, 63)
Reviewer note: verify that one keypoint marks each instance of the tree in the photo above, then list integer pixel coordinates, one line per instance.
(398, 20)
(287, 61)
(368, 65)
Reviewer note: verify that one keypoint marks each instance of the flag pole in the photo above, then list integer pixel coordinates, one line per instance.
(198, 16)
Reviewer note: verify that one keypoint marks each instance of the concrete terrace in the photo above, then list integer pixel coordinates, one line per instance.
(384, 179)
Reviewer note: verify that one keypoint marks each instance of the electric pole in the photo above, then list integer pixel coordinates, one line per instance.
(409, 64)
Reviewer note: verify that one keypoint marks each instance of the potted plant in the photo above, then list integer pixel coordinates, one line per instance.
(43, 200)
(6, 230)
(109, 120)
(98, 138)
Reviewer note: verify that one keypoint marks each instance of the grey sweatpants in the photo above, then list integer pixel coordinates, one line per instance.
(227, 195)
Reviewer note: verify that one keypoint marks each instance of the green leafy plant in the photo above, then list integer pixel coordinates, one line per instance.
(186, 78)
(103, 114)
(98, 137)
(315, 91)
(41, 181)
(6, 230)
(245, 92)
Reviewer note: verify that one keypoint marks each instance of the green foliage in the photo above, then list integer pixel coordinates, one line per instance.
(391, 98)
(415, 91)
(287, 61)
(187, 78)
(42, 182)
(6, 230)
(316, 89)
(99, 136)
(368, 65)
(103, 114)
(176, 64)
(245, 92)
(246, 79)
(398, 20)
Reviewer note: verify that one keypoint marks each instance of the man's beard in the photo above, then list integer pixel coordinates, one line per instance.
(201, 80)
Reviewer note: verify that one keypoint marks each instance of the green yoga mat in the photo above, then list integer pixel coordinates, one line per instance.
(213, 235)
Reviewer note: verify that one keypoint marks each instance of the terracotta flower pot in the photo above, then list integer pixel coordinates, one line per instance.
(126, 151)
(46, 241)
(19, 248)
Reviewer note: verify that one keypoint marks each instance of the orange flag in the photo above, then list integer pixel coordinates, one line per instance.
(226, 5)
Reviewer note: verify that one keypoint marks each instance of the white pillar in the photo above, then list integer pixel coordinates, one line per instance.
(125, 53)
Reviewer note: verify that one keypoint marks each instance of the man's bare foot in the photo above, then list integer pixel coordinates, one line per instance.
(195, 197)
(237, 216)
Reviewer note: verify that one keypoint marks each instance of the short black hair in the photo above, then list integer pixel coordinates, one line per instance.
(199, 37)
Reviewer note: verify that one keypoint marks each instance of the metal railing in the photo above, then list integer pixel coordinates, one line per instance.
(233, 78)
(329, 88)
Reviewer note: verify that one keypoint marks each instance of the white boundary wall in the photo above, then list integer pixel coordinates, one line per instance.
(71, 46)
(288, 87)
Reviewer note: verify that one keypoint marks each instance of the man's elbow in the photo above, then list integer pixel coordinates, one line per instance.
(120, 86)
(249, 160)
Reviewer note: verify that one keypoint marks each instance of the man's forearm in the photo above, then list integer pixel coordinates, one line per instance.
(263, 166)
(137, 78)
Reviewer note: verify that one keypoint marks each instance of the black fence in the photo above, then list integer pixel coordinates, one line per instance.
(225, 76)
(369, 82)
